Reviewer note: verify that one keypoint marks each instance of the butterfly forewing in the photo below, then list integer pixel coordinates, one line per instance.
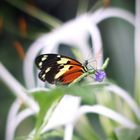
(49, 60)
(58, 68)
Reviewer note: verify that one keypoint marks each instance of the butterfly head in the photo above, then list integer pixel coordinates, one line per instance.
(99, 75)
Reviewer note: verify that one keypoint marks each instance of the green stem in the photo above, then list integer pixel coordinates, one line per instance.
(104, 66)
(36, 13)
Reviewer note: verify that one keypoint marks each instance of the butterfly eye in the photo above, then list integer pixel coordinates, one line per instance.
(100, 75)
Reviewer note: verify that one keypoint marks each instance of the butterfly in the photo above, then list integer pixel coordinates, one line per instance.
(55, 68)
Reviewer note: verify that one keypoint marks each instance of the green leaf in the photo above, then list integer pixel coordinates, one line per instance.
(85, 130)
(86, 92)
(51, 134)
(36, 13)
(49, 99)
(128, 134)
(46, 100)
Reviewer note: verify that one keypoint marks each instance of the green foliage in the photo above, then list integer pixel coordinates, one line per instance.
(35, 12)
(128, 134)
(45, 101)
(49, 99)
(85, 130)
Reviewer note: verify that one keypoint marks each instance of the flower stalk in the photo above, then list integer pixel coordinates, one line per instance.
(17, 88)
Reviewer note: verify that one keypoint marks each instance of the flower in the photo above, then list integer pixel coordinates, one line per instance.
(100, 75)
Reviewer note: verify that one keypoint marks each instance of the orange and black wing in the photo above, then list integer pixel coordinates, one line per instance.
(57, 68)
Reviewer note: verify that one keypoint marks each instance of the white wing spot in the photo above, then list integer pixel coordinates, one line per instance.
(63, 61)
(62, 71)
(44, 57)
(40, 64)
(48, 69)
(43, 76)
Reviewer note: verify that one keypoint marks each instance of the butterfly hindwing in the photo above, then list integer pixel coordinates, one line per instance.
(70, 75)
(58, 69)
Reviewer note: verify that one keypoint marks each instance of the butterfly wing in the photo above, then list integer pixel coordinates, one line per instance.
(58, 68)
(70, 75)
(49, 60)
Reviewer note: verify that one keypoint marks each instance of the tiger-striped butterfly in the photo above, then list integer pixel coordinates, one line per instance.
(55, 68)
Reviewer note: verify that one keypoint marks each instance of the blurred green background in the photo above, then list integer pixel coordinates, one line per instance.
(20, 27)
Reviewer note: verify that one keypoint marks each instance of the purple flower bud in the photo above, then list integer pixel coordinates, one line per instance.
(100, 75)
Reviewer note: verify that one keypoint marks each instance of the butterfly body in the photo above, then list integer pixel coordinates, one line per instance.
(55, 68)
